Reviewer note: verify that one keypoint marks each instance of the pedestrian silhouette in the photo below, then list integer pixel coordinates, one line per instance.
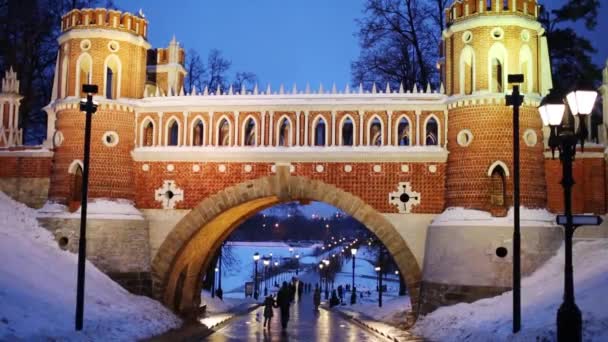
(269, 303)
(300, 290)
(341, 293)
(317, 298)
(283, 302)
(333, 301)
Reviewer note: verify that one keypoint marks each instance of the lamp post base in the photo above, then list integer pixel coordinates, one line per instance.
(353, 297)
(569, 323)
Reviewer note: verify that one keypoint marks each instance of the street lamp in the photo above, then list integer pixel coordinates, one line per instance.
(321, 276)
(580, 102)
(256, 258)
(379, 282)
(90, 107)
(276, 271)
(219, 292)
(353, 295)
(297, 263)
(213, 283)
(266, 263)
(326, 262)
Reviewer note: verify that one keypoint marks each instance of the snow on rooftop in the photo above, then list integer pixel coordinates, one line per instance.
(38, 290)
(456, 216)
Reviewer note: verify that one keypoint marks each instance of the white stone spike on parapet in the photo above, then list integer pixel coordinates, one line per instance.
(415, 90)
(268, 90)
(157, 92)
(347, 89)
(193, 92)
(181, 92)
(281, 89)
(334, 90)
(294, 89)
(206, 91)
(401, 91)
(230, 91)
(321, 90)
(256, 90)
(360, 88)
(145, 94)
(243, 89)
(428, 88)
(218, 91)
(441, 89)
(374, 90)
(307, 91)
(388, 88)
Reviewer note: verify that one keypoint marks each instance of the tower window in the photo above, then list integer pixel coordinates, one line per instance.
(498, 191)
(249, 133)
(109, 83)
(173, 134)
(320, 131)
(284, 132)
(432, 130)
(347, 132)
(112, 77)
(375, 132)
(403, 132)
(198, 133)
(223, 136)
(497, 76)
(148, 138)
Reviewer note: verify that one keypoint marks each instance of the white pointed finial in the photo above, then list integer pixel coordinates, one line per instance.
(347, 89)
(193, 92)
(294, 89)
(141, 13)
(334, 90)
(268, 90)
(181, 91)
(388, 88)
(441, 89)
(206, 91)
(428, 88)
(243, 89)
(401, 91)
(256, 90)
(374, 90)
(218, 91)
(321, 90)
(360, 88)
(157, 92)
(281, 89)
(230, 91)
(307, 88)
(415, 91)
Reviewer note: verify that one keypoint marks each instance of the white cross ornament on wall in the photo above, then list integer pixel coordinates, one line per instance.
(169, 194)
(404, 198)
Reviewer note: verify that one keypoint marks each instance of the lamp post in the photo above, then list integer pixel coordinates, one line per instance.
(256, 258)
(353, 295)
(276, 270)
(321, 276)
(580, 102)
(516, 100)
(89, 107)
(213, 283)
(266, 263)
(219, 292)
(326, 262)
(379, 283)
(297, 263)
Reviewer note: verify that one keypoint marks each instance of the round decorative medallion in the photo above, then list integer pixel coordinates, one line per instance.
(113, 46)
(405, 168)
(530, 137)
(170, 167)
(464, 138)
(248, 168)
(467, 37)
(498, 33)
(196, 168)
(377, 168)
(348, 168)
(85, 45)
(110, 138)
(319, 168)
(221, 168)
(432, 168)
(145, 167)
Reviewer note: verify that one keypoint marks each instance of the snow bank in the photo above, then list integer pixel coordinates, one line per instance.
(96, 209)
(457, 216)
(490, 319)
(38, 290)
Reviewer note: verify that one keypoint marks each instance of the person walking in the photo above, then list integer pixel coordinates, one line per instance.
(292, 290)
(341, 293)
(300, 290)
(317, 298)
(269, 303)
(333, 301)
(283, 302)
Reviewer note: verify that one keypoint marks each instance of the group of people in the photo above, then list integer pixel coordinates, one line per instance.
(285, 296)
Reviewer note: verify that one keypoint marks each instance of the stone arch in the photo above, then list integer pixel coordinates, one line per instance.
(498, 163)
(498, 68)
(191, 244)
(221, 137)
(370, 123)
(198, 136)
(147, 136)
(288, 140)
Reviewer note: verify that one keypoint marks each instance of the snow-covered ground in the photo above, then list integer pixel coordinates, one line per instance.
(38, 290)
(490, 319)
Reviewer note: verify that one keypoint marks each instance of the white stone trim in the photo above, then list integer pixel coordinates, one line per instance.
(105, 75)
(27, 153)
(497, 163)
(113, 134)
(525, 54)
(94, 33)
(497, 50)
(493, 20)
(461, 71)
(364, 154)
(579, 155)
(74, 164)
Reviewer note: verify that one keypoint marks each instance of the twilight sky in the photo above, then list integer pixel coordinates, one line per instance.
(282, 41)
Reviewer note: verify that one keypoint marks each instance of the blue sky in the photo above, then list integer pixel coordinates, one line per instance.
(282, 41)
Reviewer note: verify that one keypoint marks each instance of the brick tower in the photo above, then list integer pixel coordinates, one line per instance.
(484, 42)
(107, 48)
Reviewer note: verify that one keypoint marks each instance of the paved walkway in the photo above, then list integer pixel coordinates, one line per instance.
(305, 324)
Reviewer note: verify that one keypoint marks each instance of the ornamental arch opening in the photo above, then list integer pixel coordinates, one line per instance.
(191, 245)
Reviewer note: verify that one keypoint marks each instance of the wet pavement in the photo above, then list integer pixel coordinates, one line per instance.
(305, 324)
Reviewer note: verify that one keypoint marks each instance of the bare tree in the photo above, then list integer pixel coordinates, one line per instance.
(195, 69)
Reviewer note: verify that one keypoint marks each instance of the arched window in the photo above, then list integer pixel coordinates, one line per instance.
(497, 76)
(375, 132)
(497, 62)
(498, 188)
(348, 132)
(148, 134)
(198, 133)
(84, 71)
(64, 77)
(173, 133)
(431, 132)
(249, 131)
(223, 133)
(320, 133)
(76, 184)
(284, 132)
(467, 71)
(403, 132)
(112, 77)
(525, 68)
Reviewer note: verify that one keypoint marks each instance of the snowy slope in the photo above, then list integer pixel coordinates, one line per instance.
(490, 319)
(38, 290)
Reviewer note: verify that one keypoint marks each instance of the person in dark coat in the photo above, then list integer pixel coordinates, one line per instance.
(333, 301)
(269, 303)
(292, 290)
(317, 298)
(283, 302)
(341, 293)
(300, 290)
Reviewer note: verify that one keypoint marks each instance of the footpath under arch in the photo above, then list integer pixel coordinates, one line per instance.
(190, 245)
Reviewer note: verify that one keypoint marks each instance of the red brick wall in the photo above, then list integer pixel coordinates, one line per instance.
(468, 184)
(589, 192)
(25, 167)
(111, 173)
(372, 187)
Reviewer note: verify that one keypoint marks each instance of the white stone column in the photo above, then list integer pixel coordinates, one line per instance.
(333, 128)
(185, 142)
(236, 128)
(2, 113)
(210, 129)
(418, 129)
(271, 128)
(389, 133)
(263, 128)
(16, 116)
(160, 129)
(361, 126)
(306, 115)
(298, 128)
